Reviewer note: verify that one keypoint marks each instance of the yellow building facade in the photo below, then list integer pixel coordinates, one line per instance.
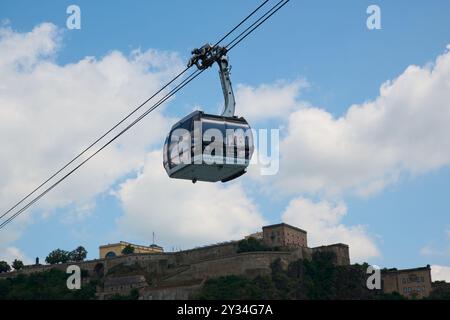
(115, 249)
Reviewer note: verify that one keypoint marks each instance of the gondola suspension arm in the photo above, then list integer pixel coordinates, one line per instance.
(205, 57)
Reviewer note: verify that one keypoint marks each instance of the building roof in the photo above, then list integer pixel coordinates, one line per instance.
(284, 225)
(408, 270)
(152, 246)
(155, 246)
(332, 245)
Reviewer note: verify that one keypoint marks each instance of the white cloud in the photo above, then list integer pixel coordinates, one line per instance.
(429, 250)
(269, 101)
(9, 254)
(322, 221)
(404, 131)
(437, 251)
(182, 213)
(24, 50)
(49, 113)
(440, 273)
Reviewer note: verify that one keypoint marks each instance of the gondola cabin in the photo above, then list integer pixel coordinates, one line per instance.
(205, 147)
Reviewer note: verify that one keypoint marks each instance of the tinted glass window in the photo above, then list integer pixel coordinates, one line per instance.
(179, 143)
(239, 140)
(213, 131)
(165, 152)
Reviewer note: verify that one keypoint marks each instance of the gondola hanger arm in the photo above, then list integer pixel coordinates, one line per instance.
(204, 58)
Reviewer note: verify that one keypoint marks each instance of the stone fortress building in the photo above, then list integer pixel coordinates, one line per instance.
(172, 275)
(178, 275)
(284, 235)
(408, 282)
(115, 249)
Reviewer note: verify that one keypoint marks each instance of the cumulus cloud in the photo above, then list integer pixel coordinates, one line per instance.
(24, 50)
(9, 254)
(184, 213)
(49, 113)
(440, 273)
(269, 101)
(432, 251)
(404, 131)
(322, 220)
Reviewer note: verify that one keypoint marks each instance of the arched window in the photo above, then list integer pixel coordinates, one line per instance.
(110, 254)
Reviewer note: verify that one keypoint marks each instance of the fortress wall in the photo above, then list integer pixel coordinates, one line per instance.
(341, 251)
(171, 293)
(136, 258)
(26, 270)
(227, 261)
(248, 264)
(206, 253)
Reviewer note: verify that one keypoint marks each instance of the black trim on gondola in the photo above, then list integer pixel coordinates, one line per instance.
(234, 176)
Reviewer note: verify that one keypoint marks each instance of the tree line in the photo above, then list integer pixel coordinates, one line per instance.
(318, 278)
(54, 257)
(59, 256)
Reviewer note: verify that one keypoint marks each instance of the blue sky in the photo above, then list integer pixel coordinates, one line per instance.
(325, 42)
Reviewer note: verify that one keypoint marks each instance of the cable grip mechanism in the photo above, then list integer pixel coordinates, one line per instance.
(204, 58)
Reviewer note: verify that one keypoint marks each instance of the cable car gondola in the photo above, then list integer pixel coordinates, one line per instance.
(207, 147)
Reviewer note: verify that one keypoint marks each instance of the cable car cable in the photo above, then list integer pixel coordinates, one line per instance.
(193, 75)
(123, 120)
(256, 24)
(95, 142)
(190, 78)
(131, 125)
(237, 26)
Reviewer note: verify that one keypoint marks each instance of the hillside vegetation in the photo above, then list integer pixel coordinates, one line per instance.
(303, 279)
(48, 285)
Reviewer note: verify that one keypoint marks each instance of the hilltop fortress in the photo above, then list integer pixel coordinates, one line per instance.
(178, 275)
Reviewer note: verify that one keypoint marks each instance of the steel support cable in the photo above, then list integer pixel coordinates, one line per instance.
(123, 120)
(240, 23)
(94, 143)
(256, 24)
(191, 77)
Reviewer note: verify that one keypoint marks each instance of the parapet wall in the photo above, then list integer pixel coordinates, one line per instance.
(248, 264)
(341, 250)
(207, 253)
(198, 263)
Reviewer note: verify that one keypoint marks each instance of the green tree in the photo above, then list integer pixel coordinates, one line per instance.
(128, 249)
(47, 285)
(79, 254)
(17, 264)
(441, 291)
(57, 256)
(320, 274)
(283, 283)
(133, 295)
(251, 244)
(4, 266)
